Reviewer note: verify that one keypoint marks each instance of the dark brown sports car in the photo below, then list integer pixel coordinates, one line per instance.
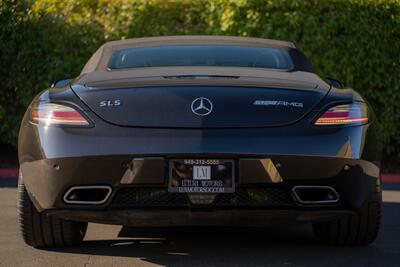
(199, 130)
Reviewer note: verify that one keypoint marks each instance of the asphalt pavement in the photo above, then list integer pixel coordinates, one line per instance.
(107, 245)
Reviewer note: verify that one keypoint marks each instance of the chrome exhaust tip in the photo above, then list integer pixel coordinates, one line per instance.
(88, 194)
(315, 195)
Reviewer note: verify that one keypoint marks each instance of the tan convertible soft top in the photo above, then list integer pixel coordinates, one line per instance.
(97, 75)
(99, 60)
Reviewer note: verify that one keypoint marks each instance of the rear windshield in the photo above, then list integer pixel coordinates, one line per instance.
(201, 55)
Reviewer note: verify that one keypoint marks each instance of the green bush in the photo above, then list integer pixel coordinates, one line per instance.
(356, 41)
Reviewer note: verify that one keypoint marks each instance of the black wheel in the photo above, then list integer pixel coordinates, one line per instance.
(360, 229)
(42, 231)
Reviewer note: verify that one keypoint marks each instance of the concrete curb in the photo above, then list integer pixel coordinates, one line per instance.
(12, 173)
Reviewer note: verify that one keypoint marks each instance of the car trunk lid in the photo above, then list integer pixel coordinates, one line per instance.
(201, 100)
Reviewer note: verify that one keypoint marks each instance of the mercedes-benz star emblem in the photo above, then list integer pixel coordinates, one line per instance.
(202, 106)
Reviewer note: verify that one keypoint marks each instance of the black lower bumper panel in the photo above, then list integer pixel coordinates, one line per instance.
(242, 197)
(156, 217)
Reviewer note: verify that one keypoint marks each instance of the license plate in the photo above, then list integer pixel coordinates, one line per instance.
(201, 176)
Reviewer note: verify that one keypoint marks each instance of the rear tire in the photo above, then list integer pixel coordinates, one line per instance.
(359, 229)
(42, 231)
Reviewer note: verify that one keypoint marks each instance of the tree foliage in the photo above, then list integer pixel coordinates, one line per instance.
(355, 41)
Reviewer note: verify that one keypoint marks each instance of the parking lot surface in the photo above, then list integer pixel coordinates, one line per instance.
(107, 245)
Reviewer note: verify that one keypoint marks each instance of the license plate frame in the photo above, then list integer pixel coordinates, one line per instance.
(222, 176)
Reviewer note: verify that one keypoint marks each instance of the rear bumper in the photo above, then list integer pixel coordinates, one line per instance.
(48, 180)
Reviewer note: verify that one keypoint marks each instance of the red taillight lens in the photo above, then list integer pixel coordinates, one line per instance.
(56, 114)
(348, 114)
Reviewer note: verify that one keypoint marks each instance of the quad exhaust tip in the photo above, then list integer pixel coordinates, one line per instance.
(88, 194)
(315, 195)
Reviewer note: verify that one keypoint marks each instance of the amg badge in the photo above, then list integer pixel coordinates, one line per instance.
(277, 103)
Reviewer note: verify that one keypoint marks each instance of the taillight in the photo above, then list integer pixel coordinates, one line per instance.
(349, 114)
(56, 114)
